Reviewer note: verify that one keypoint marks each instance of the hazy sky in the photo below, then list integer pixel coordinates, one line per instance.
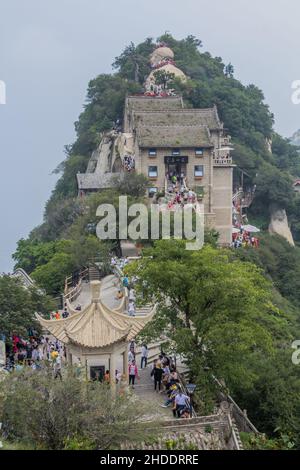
(49, 50)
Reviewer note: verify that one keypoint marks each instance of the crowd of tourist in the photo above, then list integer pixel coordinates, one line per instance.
(34, 353)
(165, 380)
(161, 63)
(129, 162)
(181, 194)
(243, 239)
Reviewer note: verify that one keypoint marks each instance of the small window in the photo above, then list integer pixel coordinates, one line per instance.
(176, 152)
(198, 171)
(199, 151)
(152, 191)
(152, 172)
(152, 152)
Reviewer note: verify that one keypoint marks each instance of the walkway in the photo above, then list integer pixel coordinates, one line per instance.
(108, 293)
(144, 389)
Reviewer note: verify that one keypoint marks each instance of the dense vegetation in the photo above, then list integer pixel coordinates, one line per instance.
(35, 412)
(223, 316)
(18, 306)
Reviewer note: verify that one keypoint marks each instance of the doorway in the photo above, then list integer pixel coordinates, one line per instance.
(97, 373)
(176, 169)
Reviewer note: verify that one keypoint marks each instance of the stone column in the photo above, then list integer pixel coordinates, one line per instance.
(125, 363)
(112, 371)
(69, 358)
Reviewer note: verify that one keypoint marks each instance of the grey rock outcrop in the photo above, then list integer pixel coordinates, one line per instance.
(279, 224)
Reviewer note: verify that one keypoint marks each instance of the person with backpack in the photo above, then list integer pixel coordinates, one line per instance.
(125, 281)
(157, 373)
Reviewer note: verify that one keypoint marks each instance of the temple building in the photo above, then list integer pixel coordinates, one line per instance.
(161, 138)
(98, 336)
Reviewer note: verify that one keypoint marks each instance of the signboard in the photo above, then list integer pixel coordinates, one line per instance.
(199, 190)
(2, 353)
(173, 160)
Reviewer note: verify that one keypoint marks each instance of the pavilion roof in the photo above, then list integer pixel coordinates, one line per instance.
(96, 326)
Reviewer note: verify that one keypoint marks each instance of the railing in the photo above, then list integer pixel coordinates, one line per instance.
(124, 302)
(247, 199)
(185, 390)
(243, 422)
(237, 195)
(244, 198)
(72, 292)
(24, 277)
(223, 160)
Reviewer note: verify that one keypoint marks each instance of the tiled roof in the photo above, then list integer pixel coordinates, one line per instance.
(96, 326)
(174, 136)
(148, 103)
(181, 117)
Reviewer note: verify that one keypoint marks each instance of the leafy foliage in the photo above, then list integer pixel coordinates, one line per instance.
(45, 413)
(132, 184)
(219, 313)
(18, 306)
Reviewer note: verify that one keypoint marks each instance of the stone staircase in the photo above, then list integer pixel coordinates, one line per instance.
(144, 310)
(94, 273)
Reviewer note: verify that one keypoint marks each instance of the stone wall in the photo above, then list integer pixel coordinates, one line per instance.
(143, 161)
(222, 202)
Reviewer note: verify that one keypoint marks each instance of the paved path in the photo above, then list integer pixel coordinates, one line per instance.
(144, 389)
(108, 293)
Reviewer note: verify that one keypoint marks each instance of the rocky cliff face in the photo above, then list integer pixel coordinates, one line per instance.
(295, 139)
(279, 225)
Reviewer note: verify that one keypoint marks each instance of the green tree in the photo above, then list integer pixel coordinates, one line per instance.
(217, 311)
(131, 184)
(164, 78)
(18, 306)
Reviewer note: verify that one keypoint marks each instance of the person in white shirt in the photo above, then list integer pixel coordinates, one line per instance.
(131, 309)
(131, 356)
(132, 295)
(182, 402)
(144, 355)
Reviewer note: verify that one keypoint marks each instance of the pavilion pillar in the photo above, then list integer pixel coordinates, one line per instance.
(112, 371)
(69, 358)
(125, 364)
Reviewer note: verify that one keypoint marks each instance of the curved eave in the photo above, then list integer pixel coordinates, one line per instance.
(92, 345)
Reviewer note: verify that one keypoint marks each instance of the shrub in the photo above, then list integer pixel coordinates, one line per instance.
(42, 412)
